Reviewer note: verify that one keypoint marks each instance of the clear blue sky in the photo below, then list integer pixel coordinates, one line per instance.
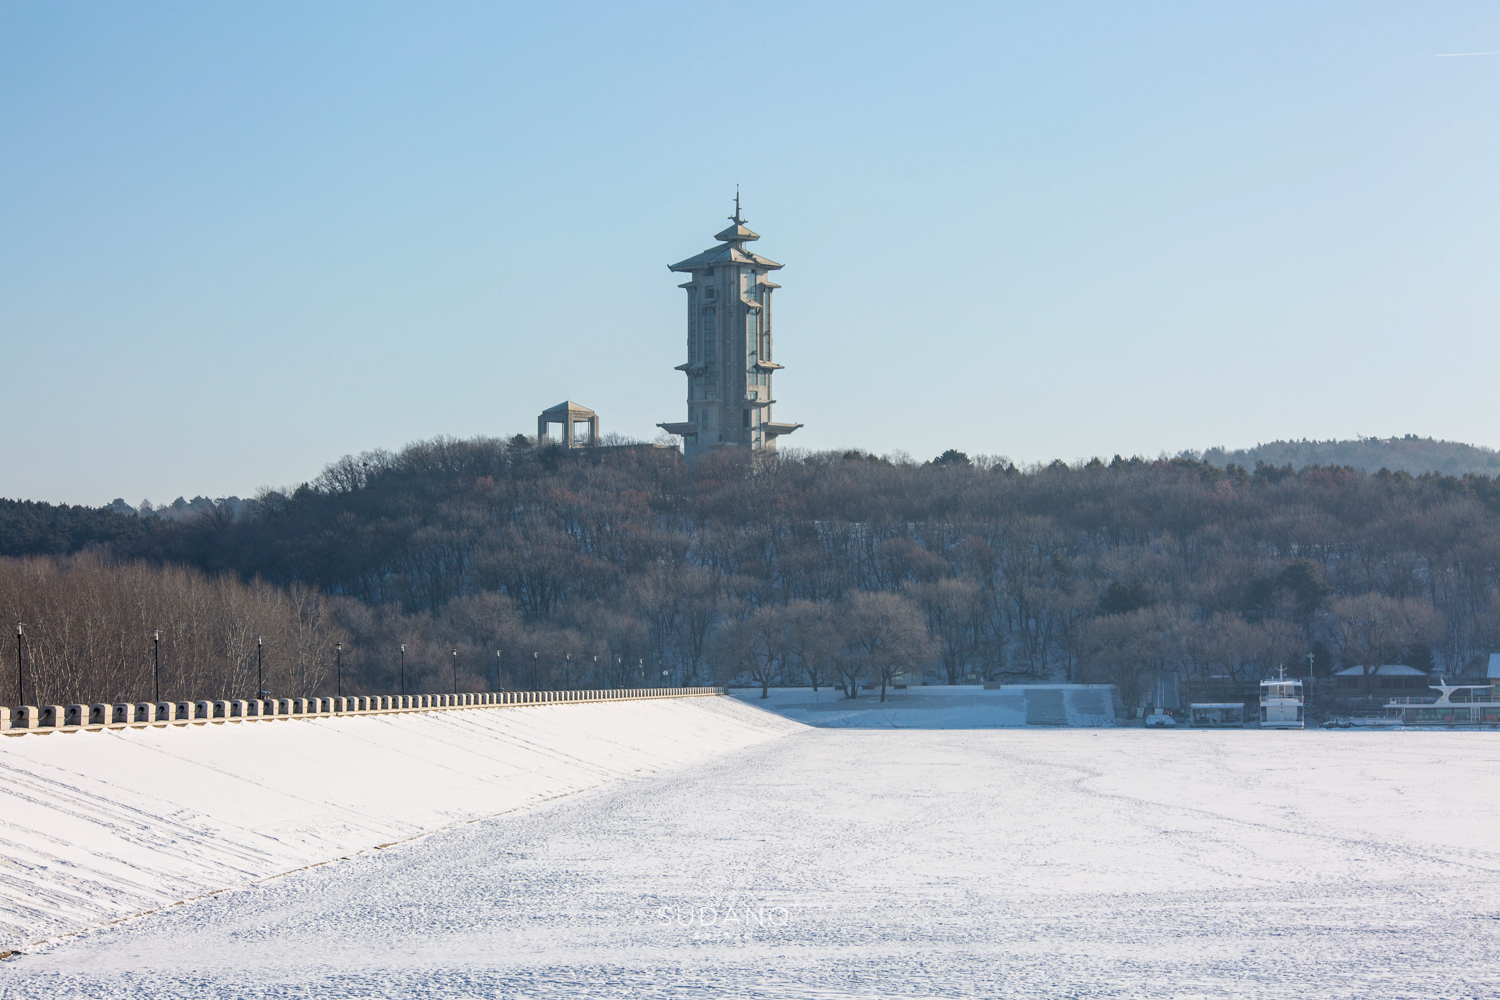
(240, 240)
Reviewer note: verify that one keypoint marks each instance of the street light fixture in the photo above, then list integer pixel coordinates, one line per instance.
(20, 677)
(260, 667)
(156, 662)
(403, 668)
(496, 682)
(455, 669)
(338, 654)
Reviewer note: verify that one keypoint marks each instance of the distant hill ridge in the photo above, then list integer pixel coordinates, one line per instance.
(1409, 453)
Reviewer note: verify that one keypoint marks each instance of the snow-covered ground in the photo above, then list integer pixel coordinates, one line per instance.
(943, 706)
(95, 826)
(852, 862)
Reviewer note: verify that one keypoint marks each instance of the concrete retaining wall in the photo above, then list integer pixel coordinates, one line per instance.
(61, 718)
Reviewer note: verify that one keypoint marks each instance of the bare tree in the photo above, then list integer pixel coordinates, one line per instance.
(812, 637)
(884, 636)
(1373, 629)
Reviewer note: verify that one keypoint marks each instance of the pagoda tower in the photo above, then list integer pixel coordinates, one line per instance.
(729, 367)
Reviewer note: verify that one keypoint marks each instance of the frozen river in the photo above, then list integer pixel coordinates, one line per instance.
(875, 863)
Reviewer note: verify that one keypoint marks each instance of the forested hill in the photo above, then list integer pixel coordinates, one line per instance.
(31, 528)
(1411, 453)
(1102, 570)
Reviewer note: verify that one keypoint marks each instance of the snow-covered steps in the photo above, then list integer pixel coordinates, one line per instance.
(96, 825)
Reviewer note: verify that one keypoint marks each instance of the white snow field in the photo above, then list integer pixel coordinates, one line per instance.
(100, 825)
(858, 862)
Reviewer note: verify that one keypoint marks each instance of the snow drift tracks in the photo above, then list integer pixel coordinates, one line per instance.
(98, 825)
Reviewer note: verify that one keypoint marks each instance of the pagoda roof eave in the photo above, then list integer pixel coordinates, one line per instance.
(726, 254)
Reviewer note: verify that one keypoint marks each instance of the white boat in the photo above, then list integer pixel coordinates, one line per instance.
(1281, 702)
(1455, 705)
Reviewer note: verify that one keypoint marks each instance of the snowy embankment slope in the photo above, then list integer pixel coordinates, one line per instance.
(95, 826)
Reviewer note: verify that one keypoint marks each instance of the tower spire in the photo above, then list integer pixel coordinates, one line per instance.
(735, 218)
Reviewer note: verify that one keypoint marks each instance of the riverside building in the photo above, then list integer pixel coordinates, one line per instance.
(729, 363)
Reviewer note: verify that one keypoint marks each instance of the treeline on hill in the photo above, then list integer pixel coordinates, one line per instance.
(497, 563)
(1411, 452)
(31, 528)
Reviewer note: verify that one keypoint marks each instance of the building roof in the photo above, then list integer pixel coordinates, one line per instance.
(731, 248)
(1384, 670)
(723, 254)
(569, 407)
(737, 233)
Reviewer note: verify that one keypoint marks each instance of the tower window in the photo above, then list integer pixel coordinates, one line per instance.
(710, 345)
(747, 417)
(708, 293)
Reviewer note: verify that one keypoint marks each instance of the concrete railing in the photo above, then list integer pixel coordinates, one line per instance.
(125, 715)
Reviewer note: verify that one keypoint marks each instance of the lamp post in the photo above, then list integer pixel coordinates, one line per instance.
(496, 682)
(535, 668)
(156, 663)
(455, 669)
(403, 668)
(20, 677)
(260, 667)
(338, 659)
